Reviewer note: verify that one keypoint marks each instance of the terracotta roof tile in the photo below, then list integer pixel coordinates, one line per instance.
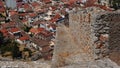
(10, 24)
(46, 33)
(1, 3)
(19, 4)
(37, 22)
(27, 7)
(2, 18)
(14, 30)
(40, 29)
(32, 14)
(25, 20)
(55, 18)
(40, 42)
(91, 3)
(53, 8)
(35, 4)
(13, 13)
(36, 30)
(23, 14)
(2, 9)
(24, 38)
(4, 31)
(47, 1)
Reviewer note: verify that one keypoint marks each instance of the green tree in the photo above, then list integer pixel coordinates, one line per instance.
(30, 52)
(26, 29)
(115, 4)
(1, 38)
(15, 50)
(11, 46)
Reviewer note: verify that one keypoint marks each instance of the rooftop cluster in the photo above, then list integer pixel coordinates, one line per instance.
(33, 23)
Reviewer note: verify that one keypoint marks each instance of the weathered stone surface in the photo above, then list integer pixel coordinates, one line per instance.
(108, 28)
(103, 63)
(75, 41)
(84, 41)
(21, 64)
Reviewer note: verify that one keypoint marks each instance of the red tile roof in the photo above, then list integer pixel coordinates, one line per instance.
(91, 3)
(63, 12)
(32, 14)
(1, 3)
(52, 25)
(47, 1)
(4, 31)
(35, 4)
(36, 30)
(53, 8)
(40, 42)
(103, 7)
(14, 30)
(37, 22)
(22, 14)
(2, 9)
(19, 4)
(55, 18)
(41, 11)
(46, 33)
(2, 18)
(27, 7)
(25, 20)
(24, 38)
(13, 13)
(64, 0)
(72, 1)
(40, 29)
(10, 24)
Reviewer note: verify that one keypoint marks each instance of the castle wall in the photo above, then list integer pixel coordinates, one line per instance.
(74, 44)
(90, 36)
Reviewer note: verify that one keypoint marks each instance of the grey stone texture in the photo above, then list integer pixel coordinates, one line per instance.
(86, 39)
(21, 64)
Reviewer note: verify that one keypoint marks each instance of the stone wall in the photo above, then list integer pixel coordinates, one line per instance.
(114, 37)
(22, 64)
(81, 31)
(106, 31)
(74, 44)
(90, 35)
(101, 35)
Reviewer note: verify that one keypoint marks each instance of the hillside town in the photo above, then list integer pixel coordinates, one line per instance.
(28, 27)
